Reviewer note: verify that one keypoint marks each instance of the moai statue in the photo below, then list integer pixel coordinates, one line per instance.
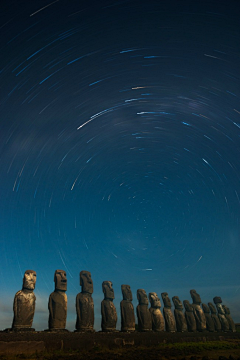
(209, 320)
(181, 323)
(24, 303)
(189, 316)
(221, 313)
(217, 324)
(168, 315)
(84, 304)
(198, 311)
(157, 317)
(143, 314)
(108, 310)
(127, 310)
(57, 304)
(232, 326)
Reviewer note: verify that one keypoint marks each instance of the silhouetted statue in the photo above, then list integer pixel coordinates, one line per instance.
(57, 304)
(157, 317)
(232, 326)
(217, 324)
(108, 310)
(221, 313)
(181, 323)
(198, 311)
(127, 310)
(189, 316)
(208, 317)
(84, 303)
(24, 303)
(168, 315)
(143, 314)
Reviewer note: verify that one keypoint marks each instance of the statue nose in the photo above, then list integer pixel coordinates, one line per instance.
(63, 281)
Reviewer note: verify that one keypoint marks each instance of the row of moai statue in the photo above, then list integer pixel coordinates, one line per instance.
(196, 318)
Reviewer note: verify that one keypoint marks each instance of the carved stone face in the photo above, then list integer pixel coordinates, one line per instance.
(195, 297)
(187, 305)
(166, 300)
(142, 297)
(212, 308)
(127, 293)
(206, 309)
(86, 282)
(177, 303)
(108, 290)
(217, 300)
(154, 300)
(29, 279)
(60, 279)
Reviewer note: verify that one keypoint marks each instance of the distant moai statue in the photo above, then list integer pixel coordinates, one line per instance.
(127, 310)
(209, 320)
(157, 317)
(231, 323)
(84, 303)
(189, 316)
(24, 303)
(108, 310)
(198, 311)
(221, 313)
(168, 315)
(217, 324)
(57, 304)
(181, 323)
(143, 314)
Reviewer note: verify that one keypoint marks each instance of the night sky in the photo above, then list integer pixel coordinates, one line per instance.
(120, 149)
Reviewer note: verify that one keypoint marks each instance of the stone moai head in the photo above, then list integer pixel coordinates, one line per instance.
(29, 280)
(166, 300)
(217, 300)
(86, 282)
(226, 309)
(177, 303)
(187, 305)
(212, 308)
(154, 300)
(195, 297)
(127, 293)
(142, 297)
(206, 309)
(60, 279)
(108, 290)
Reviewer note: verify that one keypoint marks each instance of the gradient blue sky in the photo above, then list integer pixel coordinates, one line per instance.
(120, 148)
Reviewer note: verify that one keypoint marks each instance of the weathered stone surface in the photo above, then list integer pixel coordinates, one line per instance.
(24, 302)
(143, 314)
(170, 324)
(181, 323)
(221, 313)
(217, 324)
(108, 310)
(157, 317)
(198, 311)
(57, 304)
(189, 316)
(84, 303)
(231, 323)
(127, 310)
(209, 320)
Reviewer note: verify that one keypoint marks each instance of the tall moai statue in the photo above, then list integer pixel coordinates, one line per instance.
(189, 316)
(84, 304)
(181, 323)
(143, 314)
(209, 320)
(57, 304)
(198, 311)
(232, 326)
(217, 324)
(168, 315)
(127, 310)
(155, 311)
(24, 303)
(221, 313)
(108, 310)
